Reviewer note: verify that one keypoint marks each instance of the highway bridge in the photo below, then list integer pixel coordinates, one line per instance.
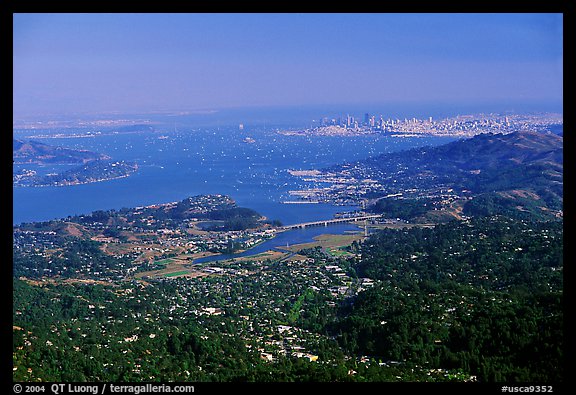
(327, 222)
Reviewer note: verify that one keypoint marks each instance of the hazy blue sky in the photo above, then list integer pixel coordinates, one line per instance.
(65, 63)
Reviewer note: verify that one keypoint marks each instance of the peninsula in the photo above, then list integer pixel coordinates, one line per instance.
(93, 167)
(25, 152)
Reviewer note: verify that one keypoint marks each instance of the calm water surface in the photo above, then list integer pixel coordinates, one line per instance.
(175, 164)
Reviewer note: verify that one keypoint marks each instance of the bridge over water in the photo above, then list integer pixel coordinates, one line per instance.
(327, 222)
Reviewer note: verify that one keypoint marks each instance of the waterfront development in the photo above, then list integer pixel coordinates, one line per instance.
(180, 163)
(289, 257)
(193, 161)
(458, 126)
(291, 179)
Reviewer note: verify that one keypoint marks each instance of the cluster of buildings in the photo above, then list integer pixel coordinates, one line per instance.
(171, 242)
(263, 301)
(131, 238)
(21, 176)
(458, 126)
(355, 183)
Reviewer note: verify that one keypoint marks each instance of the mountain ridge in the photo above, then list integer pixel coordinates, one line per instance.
(514, 173)
(25, 152)
(500, 149)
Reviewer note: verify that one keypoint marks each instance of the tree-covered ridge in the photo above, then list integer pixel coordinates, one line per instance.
(474, 300)
(485, 296)
(483, 152)
(239, 328)
(493, 252)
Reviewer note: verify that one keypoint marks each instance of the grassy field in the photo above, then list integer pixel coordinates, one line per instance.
(174, 274)
(272, 255)
(165, 268)
(329, 243)
(164, 261)
(175, 264)
(171, 270)
(147, 251)
(337, 252)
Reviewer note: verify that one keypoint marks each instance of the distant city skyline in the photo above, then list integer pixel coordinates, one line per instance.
(91, 63)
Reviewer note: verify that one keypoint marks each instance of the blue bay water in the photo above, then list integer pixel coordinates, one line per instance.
(175, 164)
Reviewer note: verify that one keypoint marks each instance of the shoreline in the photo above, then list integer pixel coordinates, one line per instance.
(74, 184)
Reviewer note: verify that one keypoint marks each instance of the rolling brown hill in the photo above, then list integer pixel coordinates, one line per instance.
(37, 152)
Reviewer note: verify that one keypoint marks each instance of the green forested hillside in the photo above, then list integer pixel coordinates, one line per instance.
(485, 296)
(476, 300)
